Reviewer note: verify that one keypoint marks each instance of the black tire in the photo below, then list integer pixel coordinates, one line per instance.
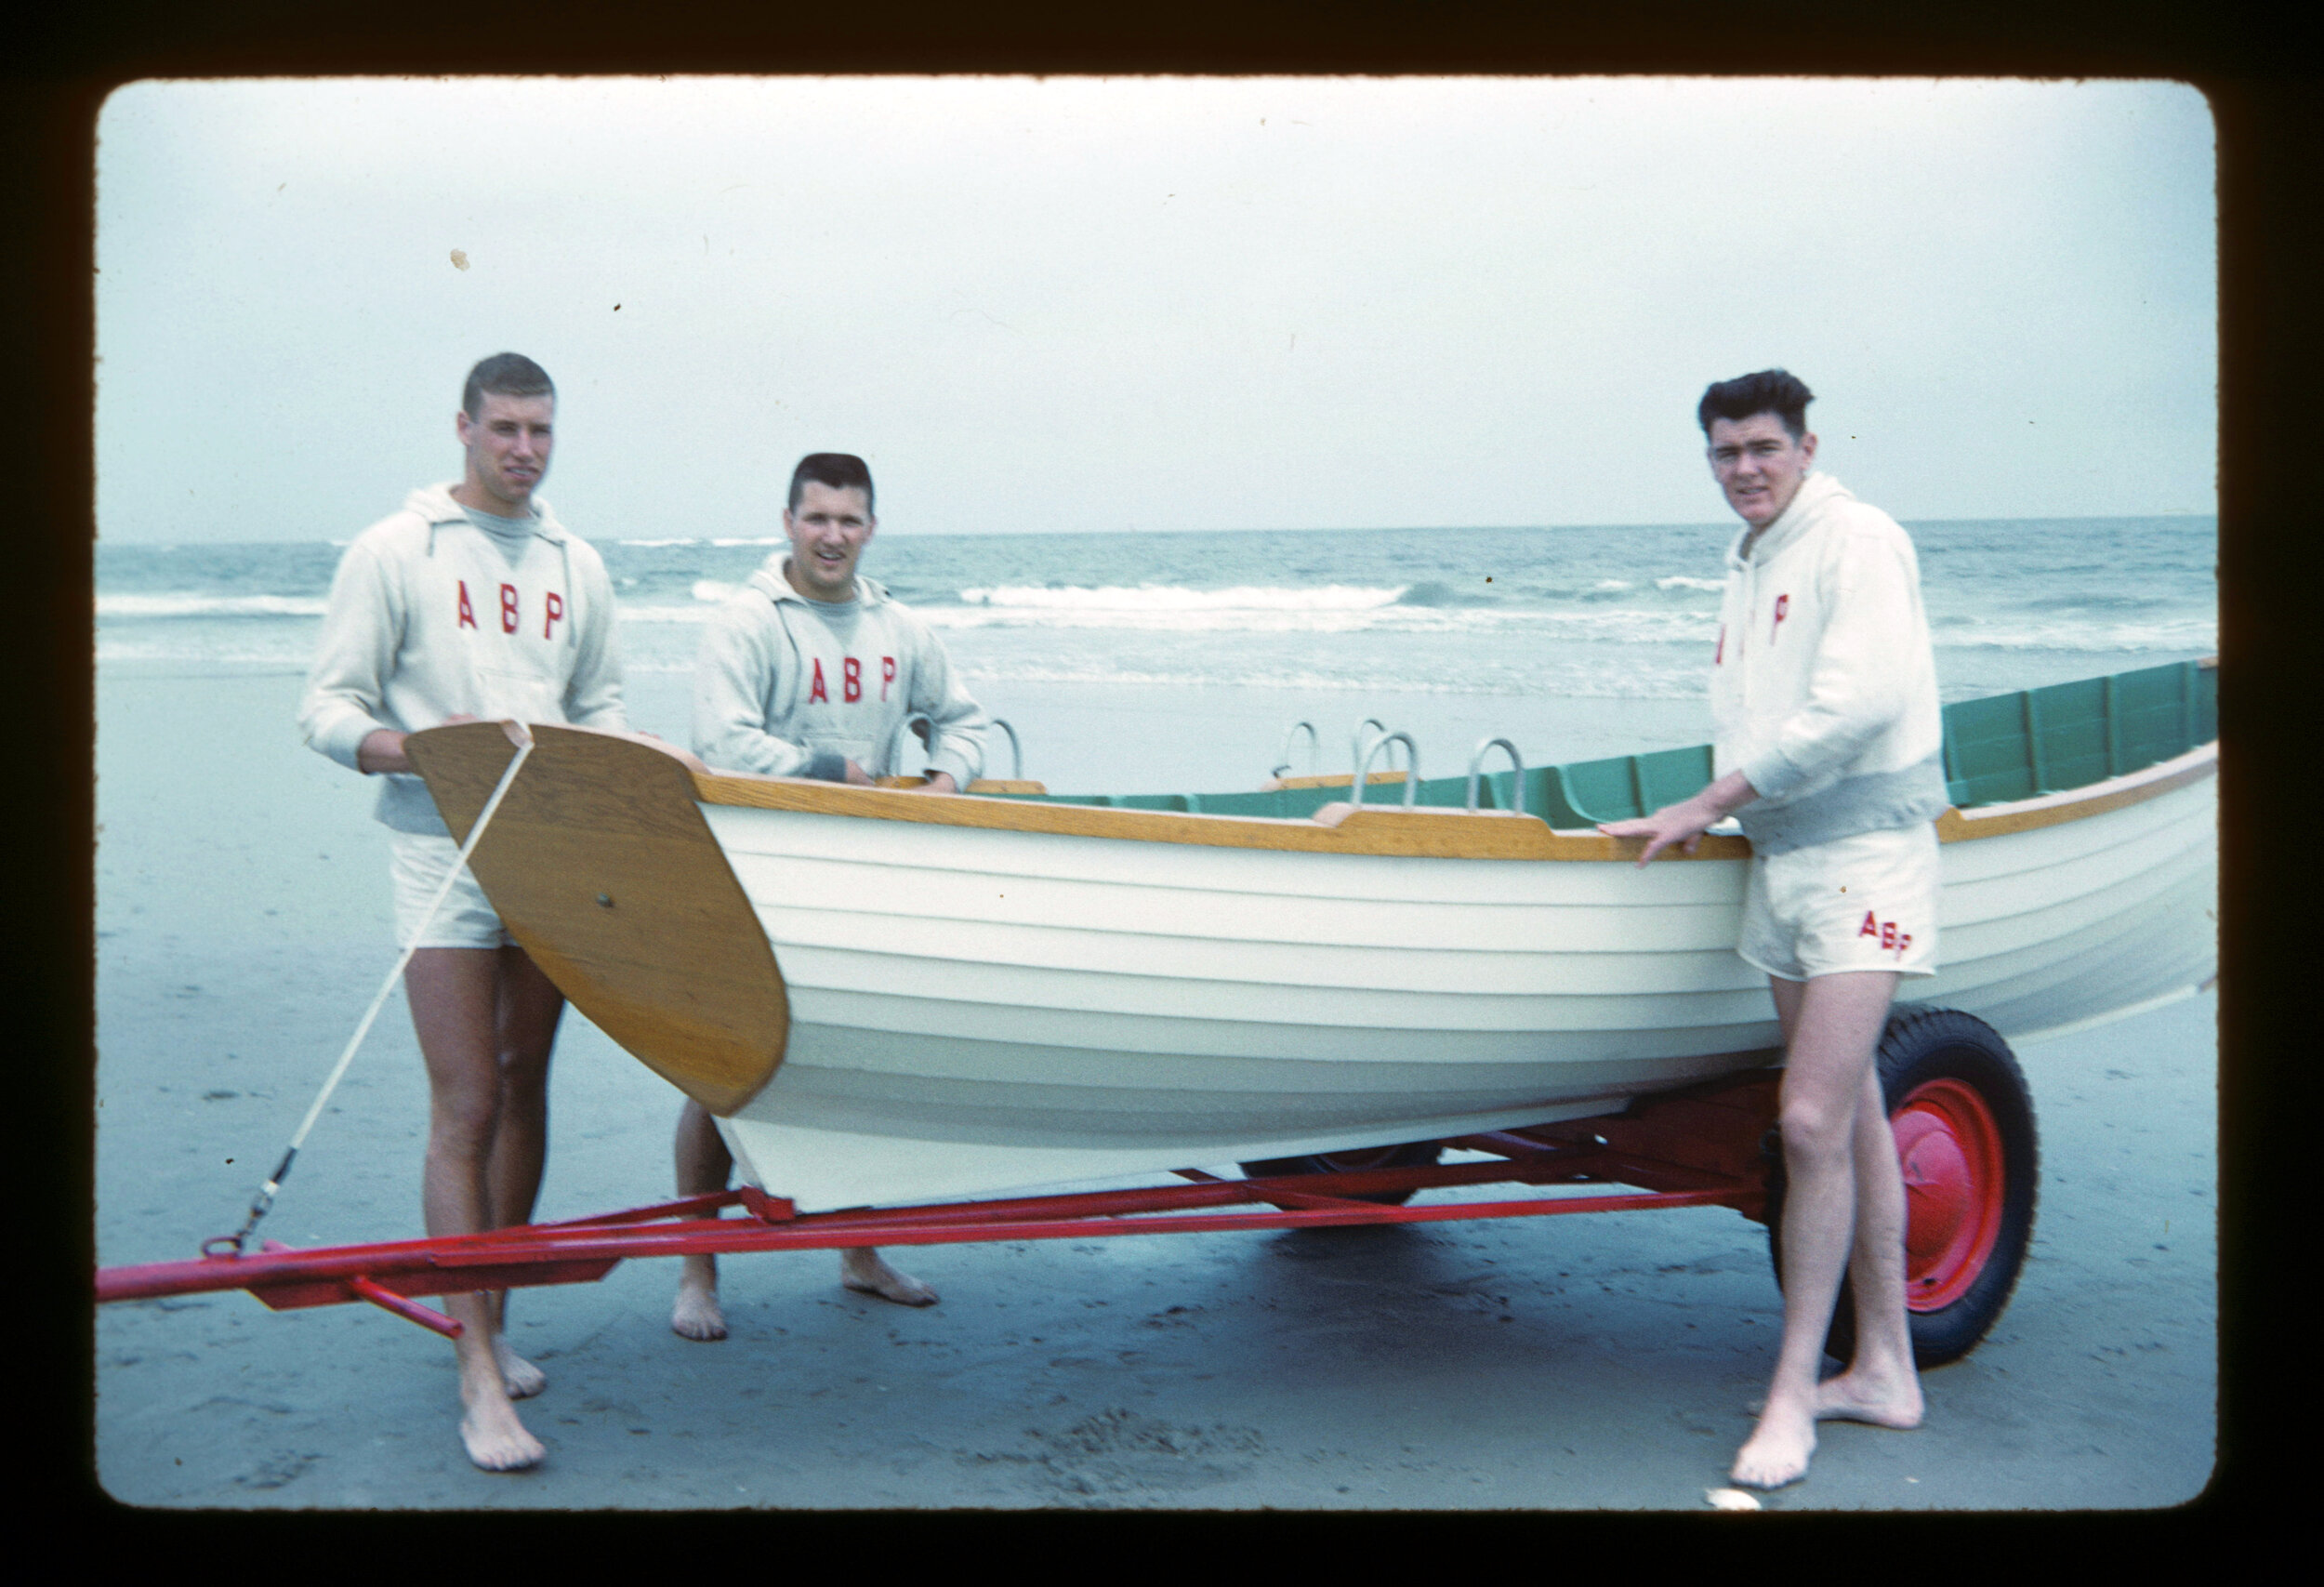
(1419, 1154)
(1971, 1111)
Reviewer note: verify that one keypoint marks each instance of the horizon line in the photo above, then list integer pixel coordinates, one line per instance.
(101, 539)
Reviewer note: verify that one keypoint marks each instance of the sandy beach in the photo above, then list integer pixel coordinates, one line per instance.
(1604, 1361)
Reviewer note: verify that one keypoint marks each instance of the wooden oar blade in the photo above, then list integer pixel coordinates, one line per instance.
(600, 864)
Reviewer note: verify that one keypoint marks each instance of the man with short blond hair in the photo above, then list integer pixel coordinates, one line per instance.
(473, 602)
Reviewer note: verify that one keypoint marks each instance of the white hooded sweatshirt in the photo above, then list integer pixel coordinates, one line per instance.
(429, 618)
(789, 687)
(1824, 690)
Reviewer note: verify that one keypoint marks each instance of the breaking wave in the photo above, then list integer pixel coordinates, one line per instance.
(181, 606)
(1113, 599)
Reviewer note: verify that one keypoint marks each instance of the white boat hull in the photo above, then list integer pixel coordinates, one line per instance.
(976, 1010)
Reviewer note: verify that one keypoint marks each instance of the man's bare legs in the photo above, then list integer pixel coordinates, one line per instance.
(486, 1020)
(1843, 1194)
(528, 1011)
(703, 1165)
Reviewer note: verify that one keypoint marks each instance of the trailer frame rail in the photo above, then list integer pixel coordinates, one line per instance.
(1702, 1146)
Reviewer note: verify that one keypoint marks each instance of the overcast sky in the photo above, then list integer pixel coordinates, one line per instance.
(1151, 303)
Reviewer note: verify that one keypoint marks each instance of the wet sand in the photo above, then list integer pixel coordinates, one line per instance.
(1600, 1361)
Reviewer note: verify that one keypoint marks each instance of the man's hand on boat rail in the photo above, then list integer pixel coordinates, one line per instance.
(1686, 822)
(938, 782)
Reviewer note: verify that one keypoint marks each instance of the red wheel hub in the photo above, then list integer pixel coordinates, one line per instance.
(1950, 1151)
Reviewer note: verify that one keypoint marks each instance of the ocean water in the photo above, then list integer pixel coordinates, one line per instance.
(1610, 613)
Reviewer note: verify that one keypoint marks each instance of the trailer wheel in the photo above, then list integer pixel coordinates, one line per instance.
(1964, 1126)
(1419, 1154)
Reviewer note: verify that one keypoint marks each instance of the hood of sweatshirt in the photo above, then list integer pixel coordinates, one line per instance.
(768, 580)
(1816, 492)
(434, 505)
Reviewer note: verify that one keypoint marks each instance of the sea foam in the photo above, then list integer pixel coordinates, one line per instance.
(189, 606)
(1178, 598)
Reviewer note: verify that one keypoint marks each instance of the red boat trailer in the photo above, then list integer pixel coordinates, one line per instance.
(1701, 1146)
(1957, 1103)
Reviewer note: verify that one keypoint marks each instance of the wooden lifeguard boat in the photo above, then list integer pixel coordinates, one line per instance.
(884, 995)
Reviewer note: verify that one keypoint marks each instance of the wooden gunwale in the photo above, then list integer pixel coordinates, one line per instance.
(2077, 804)
(1426, 831)
(1338, 780)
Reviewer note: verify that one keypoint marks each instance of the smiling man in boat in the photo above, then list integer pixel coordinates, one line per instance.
(813, 670)
(473, 602)
(1828, 745)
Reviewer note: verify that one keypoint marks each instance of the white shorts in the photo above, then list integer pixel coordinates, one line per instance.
(1863, 902)
(464, 919)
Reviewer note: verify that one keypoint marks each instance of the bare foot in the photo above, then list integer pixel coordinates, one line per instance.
(523, 1379)
(864, 1269)
(697, 1314)
(497, 1441)
(1779, 1448)
(1881, 1399)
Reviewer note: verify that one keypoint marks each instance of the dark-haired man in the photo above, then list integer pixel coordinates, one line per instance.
(811, 670)
(1828, 745)
(473, 601)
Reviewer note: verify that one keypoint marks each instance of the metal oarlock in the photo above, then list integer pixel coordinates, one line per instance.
(1476, 766)
(1314, 748)
(1016, 750)
(916, 734)
(1411, 769)
(261, 1204)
